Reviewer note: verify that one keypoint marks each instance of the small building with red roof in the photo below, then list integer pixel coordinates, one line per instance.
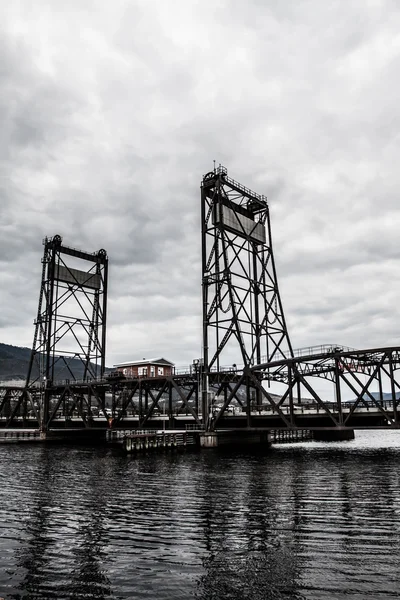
(152, 367)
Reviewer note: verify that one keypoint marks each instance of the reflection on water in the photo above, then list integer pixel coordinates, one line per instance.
(304, 521)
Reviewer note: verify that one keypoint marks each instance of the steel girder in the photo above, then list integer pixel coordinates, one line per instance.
(100, 403)
(357, 378)
(356, 382)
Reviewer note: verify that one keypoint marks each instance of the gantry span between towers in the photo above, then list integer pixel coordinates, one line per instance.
(247, 348)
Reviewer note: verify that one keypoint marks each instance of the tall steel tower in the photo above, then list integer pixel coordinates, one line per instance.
(71, 318)
(243, 319)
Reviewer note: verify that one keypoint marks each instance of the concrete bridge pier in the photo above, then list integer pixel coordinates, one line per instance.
(333, 435)
(218, 439)
(209, 439)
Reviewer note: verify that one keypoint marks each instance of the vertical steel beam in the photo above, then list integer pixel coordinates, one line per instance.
(203, 366)
(338, 392)
(392, 388)
(103, 254)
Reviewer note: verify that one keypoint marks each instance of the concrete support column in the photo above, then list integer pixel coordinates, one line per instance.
(209, 440)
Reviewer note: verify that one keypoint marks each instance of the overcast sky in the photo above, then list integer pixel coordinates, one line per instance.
(111, 112)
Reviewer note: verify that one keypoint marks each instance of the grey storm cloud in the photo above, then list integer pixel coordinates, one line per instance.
(111, 113)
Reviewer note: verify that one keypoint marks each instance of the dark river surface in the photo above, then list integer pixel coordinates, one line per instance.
(303, 521)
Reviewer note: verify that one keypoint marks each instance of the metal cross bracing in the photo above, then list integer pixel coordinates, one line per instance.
(242, 308)
(71, 319)
(320, 387)
(363, 390)
(104, 404)
(70, 324)
(242, 311)
(173, 402)
(243, 317)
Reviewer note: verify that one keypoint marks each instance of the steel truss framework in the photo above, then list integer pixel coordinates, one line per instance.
(104, 404)
(70, 324)
(243, 318)
(242, 313)
(361, 374)
(242, 308)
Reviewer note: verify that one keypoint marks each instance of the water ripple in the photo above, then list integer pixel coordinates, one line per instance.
(307, 521)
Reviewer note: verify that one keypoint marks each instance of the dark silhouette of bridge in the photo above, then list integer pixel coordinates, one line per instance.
(267, 386)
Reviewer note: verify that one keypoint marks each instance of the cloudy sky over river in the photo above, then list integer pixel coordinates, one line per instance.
(110, 114)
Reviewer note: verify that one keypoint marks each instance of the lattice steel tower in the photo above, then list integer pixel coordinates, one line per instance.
(243, 320)
(71, 318)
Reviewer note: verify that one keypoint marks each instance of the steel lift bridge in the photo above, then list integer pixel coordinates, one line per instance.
(242, 312)
(267, 384)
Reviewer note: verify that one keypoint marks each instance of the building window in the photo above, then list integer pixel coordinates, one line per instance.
(160, 371)
(152, 371)
(142, 371)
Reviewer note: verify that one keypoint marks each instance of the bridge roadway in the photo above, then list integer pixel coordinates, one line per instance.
(310, 417)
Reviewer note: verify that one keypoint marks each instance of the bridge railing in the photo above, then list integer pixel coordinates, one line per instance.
(312, 407)
(194, 427)
(221, 170)
(322, 349)
(297, 353)
(314, 350)
(192, 370)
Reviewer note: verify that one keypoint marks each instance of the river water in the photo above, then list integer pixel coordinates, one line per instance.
(302, 521)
